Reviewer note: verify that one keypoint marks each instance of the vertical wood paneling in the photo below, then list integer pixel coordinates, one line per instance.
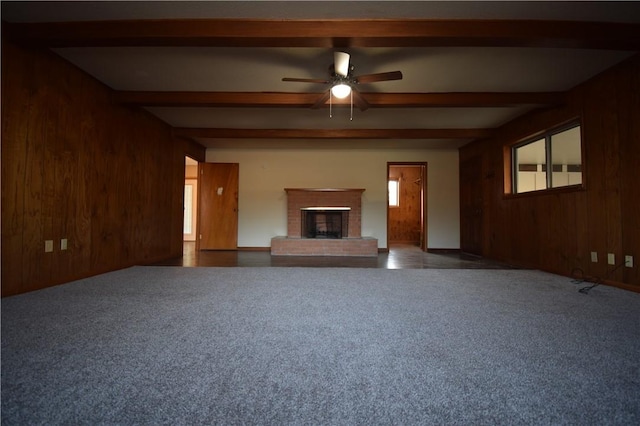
(610, 132)
(628, 91)
(191, 172)
(574, 238)
(494, 210)
(33, 261)
(599, 107)
(471, 206)
(74, 165)
(556, 231)
(16, 76)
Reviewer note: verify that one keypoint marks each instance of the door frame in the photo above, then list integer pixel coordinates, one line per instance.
(423, 198)
(196, 201)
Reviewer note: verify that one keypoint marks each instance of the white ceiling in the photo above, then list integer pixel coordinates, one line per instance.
(257, 69)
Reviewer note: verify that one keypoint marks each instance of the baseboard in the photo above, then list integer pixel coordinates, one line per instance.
(443, 251)
(466, 253)
(623, 286)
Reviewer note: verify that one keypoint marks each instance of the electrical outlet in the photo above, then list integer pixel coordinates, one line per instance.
(611, 258)
(63, 244)
(594, 256)
(48, 246)
(628, 261)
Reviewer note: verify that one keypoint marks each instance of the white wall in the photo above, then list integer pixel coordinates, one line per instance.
(265, 173)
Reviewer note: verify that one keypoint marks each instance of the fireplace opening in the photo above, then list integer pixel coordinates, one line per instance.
(325, 222)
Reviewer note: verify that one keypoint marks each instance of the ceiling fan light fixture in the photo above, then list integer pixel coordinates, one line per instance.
(341, 90)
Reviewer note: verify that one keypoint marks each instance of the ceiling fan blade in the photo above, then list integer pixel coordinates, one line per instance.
(307, 80)
(321, 100)
(359, 101)
(383, 76)
(341, 63)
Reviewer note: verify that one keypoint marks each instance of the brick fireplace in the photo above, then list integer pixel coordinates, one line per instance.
(324, 222)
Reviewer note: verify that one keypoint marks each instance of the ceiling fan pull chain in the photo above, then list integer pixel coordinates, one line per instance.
(330, 105)
(351, 119)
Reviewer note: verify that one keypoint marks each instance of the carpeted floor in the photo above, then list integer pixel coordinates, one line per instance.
(165, 345)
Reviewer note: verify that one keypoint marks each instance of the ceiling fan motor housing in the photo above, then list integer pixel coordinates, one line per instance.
(342, 79)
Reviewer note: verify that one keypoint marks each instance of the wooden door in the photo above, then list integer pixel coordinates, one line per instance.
(471, 203)
(218, 206)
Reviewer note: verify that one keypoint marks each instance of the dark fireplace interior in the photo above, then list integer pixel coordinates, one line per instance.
(325, 223)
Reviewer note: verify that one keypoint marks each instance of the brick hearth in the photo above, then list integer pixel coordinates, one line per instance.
(353, 245)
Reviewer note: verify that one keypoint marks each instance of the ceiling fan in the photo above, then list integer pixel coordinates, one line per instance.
(343, 81)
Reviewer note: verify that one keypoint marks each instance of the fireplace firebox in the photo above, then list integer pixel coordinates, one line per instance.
(325, 222)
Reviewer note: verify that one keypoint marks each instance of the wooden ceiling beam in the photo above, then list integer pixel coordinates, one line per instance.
(463, 99)
(306, 100)
(219, 133)
(216, 99)
(329, 33)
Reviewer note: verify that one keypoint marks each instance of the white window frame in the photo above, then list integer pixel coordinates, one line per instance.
(394, 193)
(547, 167)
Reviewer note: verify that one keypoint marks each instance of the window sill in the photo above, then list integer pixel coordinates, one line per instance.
(550, 191)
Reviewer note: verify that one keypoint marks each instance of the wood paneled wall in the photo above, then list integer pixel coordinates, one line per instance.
(75, 165)
(557, 230)
(191, 172)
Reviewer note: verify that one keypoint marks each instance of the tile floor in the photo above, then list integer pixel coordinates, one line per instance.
(398, 257)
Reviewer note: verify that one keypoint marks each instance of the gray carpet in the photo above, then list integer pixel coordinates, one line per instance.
(165, 345)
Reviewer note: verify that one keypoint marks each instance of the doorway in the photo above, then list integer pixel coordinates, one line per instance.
(190, 203)
(210, 204)
(407, 204)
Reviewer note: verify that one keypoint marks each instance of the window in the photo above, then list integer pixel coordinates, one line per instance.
(552, 160)
(394, 193)
(188, 206)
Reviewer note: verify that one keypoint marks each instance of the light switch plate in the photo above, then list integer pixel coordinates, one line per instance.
(611, 258)
(628, 261)
(48, 246)
(594, 256)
